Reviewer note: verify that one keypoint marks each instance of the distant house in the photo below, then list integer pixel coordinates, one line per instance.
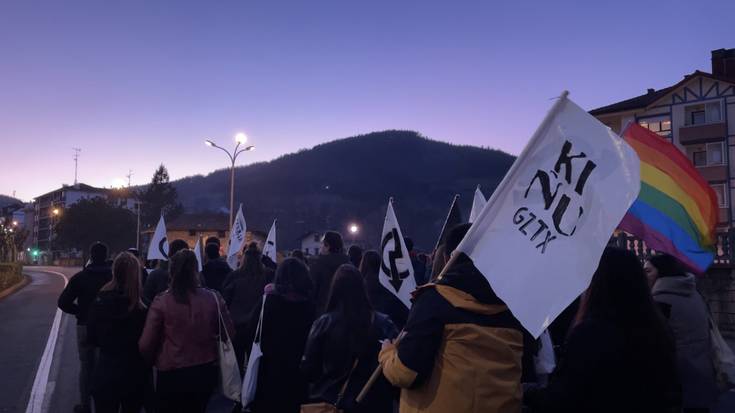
(190, 227)
(310, 242)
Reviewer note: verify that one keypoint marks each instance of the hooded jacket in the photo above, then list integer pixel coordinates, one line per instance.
(82, 289)
(688, 318)
(115, 330)
(461, 351)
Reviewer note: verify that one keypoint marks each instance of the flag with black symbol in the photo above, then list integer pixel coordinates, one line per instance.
(269, 249)
(396, 271)
(237, 239)
(158, 247)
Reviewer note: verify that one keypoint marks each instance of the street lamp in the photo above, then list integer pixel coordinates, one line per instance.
(240, 139)
(55, 211)
(354, 229)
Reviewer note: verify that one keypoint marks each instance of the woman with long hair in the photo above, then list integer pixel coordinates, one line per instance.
(121, 379)
(619, 355)
(287, 317)
(242, 290)
(180, 337)
(343, 347)
(675, 291)
(381, 299)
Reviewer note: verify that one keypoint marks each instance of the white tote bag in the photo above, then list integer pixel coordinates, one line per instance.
(250, 383)
(228, 370)
(723, 358)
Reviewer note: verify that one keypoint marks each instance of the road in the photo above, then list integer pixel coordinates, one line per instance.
(26, 320)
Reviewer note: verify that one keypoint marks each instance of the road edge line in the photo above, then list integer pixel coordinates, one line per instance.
(40, 382)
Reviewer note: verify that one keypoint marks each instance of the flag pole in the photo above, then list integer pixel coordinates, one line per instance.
(446, 220)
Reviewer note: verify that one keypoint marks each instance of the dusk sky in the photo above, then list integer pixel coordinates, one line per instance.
(139, 83)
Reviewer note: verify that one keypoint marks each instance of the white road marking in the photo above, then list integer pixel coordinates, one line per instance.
(40, 383)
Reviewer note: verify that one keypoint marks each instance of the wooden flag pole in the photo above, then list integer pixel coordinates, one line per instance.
(376, 373)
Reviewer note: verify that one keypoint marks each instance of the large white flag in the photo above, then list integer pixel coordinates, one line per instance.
(396, 270)
(478, 202)
(269, 249)
(198, 254)
(237, 239)
(540, 237)
(158, 247)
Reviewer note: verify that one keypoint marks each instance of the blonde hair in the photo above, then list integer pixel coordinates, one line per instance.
(126, 279)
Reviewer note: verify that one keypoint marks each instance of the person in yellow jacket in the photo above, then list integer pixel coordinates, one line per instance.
(461, 348)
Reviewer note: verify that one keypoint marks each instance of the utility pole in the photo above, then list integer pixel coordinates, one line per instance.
(76, 163)
(129, 176)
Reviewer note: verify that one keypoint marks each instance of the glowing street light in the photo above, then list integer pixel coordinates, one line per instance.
(15, 223)
(354, 229)
(240, 139)
(55, 211)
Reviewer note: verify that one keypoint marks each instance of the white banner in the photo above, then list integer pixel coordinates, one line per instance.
(237, 239)
(198, 254)
(269, 249)
(478, 202)
(540, 237)
(396, 270)
(158, 247)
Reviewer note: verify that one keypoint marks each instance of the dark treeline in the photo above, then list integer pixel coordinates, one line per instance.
(347, 180)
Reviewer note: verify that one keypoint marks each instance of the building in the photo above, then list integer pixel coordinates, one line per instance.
(191, 227)
(310, 242)
(697, 114)
(47, 208)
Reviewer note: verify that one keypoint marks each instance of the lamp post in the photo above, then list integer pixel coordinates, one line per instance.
(54, 213)
(354, 229)
(240, 139)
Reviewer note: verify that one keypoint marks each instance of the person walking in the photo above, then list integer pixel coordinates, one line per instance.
(343, 345)
(322, 267)
(287, 317)
(215, 269)
(242, 289)
(158, 279)
(462, 347)
(121, 379)
(180, 338)
(620, 354)
(687, 315)
(76, 299)
(382, 300)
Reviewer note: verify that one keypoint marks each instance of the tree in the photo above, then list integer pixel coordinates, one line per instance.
(96, 219)
(159, 197)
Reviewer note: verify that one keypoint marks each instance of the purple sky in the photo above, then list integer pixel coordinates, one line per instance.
(137, 83)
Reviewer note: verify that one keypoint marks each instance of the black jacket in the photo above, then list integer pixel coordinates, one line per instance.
(328, 360)
(156, 283)
(386, 302)
(214, 272)
(286, 323)
(322, 270)
(601, 371)
(82, 289)
(242, 293)
(115, 330)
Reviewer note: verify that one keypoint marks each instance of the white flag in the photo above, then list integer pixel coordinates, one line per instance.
(237, 239)
(396, 270)
(269, 249)
(477, 204)
(158, 247)
(540, 237)
(198, 254)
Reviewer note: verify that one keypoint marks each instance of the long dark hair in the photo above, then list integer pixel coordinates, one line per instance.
(619, 294)
(252, 261)
(184, 275)
(292, 279)
(349, 301)
(126, 279)
(667, 265)
(370, 267)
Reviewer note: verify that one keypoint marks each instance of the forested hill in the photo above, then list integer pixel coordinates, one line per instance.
(350, 180)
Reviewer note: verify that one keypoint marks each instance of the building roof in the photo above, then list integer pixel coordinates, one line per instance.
(643, 101)
(78, 187)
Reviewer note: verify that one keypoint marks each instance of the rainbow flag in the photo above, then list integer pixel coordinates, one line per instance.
(676, 211)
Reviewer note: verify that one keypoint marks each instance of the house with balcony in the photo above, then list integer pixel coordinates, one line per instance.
(697, 114)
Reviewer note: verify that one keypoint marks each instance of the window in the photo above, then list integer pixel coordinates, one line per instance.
(700, 158)
(703, 113)
(711, 154)
(720, 191)
(660, 125)
(316, 251)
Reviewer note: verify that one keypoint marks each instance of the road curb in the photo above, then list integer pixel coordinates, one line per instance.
(16, 287)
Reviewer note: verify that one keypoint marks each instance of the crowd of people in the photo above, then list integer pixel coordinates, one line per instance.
(638, 341)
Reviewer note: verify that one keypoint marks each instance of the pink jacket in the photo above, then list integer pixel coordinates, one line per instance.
(183, 335)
